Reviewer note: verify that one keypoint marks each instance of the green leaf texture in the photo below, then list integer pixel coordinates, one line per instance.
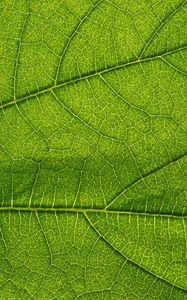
(93, 102)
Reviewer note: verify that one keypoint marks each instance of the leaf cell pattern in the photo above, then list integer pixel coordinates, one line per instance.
(93, 149)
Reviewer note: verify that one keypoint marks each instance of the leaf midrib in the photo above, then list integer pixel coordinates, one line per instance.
(86, 210)
(90, 75)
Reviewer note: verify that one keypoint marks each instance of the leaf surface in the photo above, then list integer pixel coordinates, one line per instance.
(93, 149)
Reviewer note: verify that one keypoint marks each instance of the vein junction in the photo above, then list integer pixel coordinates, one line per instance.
(90, 75)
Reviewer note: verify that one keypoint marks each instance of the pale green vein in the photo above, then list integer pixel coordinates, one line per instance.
(91, 75)
(143, 177)
(87, 210)
(160, 27)
(18, 53)
(122, 98)
(173, 67)
(75, 30)
(70, 111)
(126, 257)
(45, 239)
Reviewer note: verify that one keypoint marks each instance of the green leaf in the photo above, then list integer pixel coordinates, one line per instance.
(93, 149)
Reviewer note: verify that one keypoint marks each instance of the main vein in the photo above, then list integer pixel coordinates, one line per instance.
(87, 210)
(88, 76)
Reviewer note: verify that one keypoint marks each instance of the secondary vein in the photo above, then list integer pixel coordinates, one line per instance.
(88, 76)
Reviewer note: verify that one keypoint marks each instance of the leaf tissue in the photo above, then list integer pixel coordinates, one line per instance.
(93, 143)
